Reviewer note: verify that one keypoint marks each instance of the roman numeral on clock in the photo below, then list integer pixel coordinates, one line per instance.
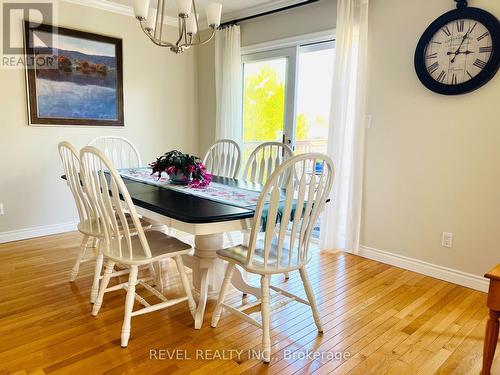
(446, 30)
(481, 37)
(471, 29)
(470, 75)
(432, 55)
(454, 79)
(460, 25)
(480, 64)
(441, 76)
(485, 49)
(432, 68)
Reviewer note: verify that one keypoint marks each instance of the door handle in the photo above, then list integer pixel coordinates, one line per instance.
(287, 140)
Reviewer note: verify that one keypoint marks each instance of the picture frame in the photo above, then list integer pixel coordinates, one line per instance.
(73, 77)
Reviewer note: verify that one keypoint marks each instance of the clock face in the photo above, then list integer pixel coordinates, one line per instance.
(458, 51)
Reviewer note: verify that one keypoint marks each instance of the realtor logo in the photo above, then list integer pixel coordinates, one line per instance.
(14, 14)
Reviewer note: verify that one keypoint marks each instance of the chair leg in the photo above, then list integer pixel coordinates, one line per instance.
(311, 299)
(266, 335)
(287, 275)
(155, 272)
(104, 285)
(186, 285)
(97, 275)
(76, 267)
(222, 294)
(129, 305)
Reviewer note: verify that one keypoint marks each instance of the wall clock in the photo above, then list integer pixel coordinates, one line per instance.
(460, 51)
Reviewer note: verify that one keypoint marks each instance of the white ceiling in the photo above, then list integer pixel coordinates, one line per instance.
(231, 9)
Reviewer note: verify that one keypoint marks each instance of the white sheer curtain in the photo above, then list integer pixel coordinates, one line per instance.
(228, 81)
(340, 228)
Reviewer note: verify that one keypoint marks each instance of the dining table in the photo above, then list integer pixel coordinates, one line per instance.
(206, 218)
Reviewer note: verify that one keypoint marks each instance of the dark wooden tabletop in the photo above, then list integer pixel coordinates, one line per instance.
(186, 207)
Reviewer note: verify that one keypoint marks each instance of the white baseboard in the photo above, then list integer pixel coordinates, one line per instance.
(45, 230)
(439, 272)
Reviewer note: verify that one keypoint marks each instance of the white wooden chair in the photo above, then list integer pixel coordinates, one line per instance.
(121, 151)
(264, 160)
(295, 207)
(261, 164)
(88, 218)
(87, 225)
(131, 247)
(223, 158)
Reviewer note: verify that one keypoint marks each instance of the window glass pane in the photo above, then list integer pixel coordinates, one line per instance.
(314, 99)
(263, 103)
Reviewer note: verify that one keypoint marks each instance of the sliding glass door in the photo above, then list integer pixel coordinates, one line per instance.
(266, 88)
(287, 96)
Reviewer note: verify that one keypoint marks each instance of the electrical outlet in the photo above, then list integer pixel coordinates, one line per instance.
(1, 209)
(447, 240)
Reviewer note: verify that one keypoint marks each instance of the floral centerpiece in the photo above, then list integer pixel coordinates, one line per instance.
(182, 169)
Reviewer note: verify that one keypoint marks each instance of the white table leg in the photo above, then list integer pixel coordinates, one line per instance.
(202, 300)
(208, 271)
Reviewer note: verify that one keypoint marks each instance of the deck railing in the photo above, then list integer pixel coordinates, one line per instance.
(301, 147)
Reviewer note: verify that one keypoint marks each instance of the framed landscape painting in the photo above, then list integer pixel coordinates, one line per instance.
(73, 77)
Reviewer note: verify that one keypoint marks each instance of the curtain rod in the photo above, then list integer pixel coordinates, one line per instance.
(233, 22)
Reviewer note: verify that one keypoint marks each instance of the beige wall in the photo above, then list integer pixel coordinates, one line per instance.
(302, 20)
(160, 114)
(307, 19)
(432, 162)
(206, 96)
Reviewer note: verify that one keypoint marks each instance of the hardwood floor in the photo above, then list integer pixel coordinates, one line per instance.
(378, 320)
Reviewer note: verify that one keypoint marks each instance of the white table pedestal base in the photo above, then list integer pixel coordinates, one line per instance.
(208, 273)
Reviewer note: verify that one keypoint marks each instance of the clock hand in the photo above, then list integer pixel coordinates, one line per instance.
(455, 53)
(460, 46)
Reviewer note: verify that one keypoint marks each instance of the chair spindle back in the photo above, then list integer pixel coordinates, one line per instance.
(264, 160)
(71, 164)
(290, 212)
(105, 187)
(223, 158)
(121, 151)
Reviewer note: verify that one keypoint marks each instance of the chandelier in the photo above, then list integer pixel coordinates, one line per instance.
(151, 21)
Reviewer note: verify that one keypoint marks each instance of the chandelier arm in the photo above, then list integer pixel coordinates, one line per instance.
(162, 19)
(196, 18)
(156, 41)
(200, 43)
(185, 35)
(181, 32)
(157, 20)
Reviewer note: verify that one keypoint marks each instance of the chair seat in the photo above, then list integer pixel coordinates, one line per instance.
(238, 254)
(89, 227)
(160, 244)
